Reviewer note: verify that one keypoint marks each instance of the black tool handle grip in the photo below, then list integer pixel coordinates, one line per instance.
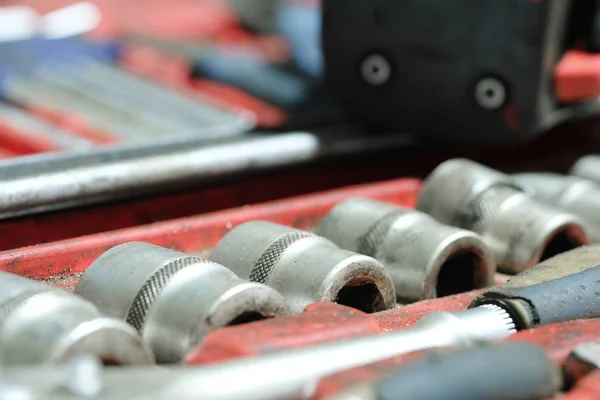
(562, 288)
(507, 371)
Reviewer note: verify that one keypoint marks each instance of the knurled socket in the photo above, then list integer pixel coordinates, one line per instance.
(304, 267)
(40, 324)
(569, 193)
(174, 299)
(425, 258)
(519, 230)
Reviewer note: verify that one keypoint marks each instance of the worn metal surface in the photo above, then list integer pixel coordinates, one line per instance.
(550, 154)
(61, 263)
(519, 231)
(34, 230)
(40, 325)
(575, 195)
(194, 234)
(304, 267)
(173, 299)
(77, 185)
(426, 259)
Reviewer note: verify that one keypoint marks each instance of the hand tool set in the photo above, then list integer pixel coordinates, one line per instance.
(237, 303)
(191, 233)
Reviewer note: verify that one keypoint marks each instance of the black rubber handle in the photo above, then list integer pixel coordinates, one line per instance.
(562, 288)
(506, 371)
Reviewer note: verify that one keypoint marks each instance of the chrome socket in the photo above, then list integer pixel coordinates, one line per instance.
(304, 267)
(587, 167)
(426, 259)
(40, 325)
(569, 193)
(519, 230)
(173, 299)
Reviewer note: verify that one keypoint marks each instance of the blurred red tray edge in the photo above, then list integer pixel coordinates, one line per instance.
(59, 261)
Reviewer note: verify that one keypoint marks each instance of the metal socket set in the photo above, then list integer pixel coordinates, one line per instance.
(305, 268)
(138, 303)
(40, 324)
(173, 299)
(519, 230)
(425, 258)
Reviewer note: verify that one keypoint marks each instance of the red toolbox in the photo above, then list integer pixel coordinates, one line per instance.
(62, 262)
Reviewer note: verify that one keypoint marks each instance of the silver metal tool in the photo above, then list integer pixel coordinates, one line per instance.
(587, 167)
(124, 93)
(426, 259)
(174, 299)
(304, 267)
(143, 125)
(47, 182)
(519, 230)
(109, 93)
(93, 182)
(570, 193)
(40, 324)
(30, 92)
(204, 113)
(28, 124)
(287, 374)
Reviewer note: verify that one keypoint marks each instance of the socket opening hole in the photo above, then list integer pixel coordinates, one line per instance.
(460, 273)
(361, 294)
(562, 241)
(246, 317)
(110, 362)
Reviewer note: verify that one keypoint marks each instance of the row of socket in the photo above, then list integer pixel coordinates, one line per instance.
(366, 254)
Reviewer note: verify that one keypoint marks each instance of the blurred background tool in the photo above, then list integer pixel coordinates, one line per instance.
(507, 371)
(305, 268)
(425, 258)
(85, 178)
(528, 69)
(78, 77)
(519, 230)
(587, 167)
(575, 195)
(25, 133)
(40, 324)
(243, 67)
(171, 298)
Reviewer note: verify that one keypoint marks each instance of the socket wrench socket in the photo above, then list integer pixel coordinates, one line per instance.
(41, 325)
(174, 299)
(587, 167)
(520, 231)
(304, 267)
(425, 258)
(569, 193)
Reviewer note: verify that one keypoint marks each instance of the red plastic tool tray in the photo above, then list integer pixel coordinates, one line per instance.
(62, 262)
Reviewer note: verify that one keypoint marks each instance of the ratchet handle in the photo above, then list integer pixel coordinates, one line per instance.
(504, 371)
(562, 288)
